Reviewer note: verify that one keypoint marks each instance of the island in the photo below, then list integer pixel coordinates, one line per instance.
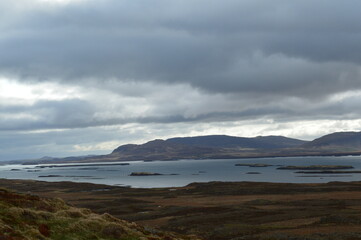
(315, 167)
(144, 174)
(327, 172)
(252, 165)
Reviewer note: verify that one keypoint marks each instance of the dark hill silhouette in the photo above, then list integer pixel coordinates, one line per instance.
(223, 147)
(213, 146)
(350, 140)
(161, 149)
(224, 141)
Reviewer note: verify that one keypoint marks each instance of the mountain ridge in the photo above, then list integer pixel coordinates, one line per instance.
(337, 139)
(265, 142)
(226, 147)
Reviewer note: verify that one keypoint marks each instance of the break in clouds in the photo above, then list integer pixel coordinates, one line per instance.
(189, 67)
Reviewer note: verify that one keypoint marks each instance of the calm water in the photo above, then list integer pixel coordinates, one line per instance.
(187, 171)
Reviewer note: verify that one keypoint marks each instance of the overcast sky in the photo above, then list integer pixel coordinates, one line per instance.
(82, 77)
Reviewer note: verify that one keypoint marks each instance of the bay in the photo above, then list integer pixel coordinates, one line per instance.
(182, 172)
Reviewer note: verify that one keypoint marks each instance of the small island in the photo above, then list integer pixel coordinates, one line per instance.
(327, 172)
(252, 165)
(315, 167)
(49, 176)
(144, 174)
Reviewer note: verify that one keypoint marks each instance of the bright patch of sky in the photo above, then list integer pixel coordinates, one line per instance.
(60, 1)
(12, 91)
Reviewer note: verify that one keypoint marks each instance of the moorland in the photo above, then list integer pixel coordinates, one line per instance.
(220, 210)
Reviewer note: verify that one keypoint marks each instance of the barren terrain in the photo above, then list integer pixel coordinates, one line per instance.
(220, 210)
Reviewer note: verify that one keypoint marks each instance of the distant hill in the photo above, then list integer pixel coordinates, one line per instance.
(224, 141)
(347, 140)
(162, 149)
(225, 147)
(213, 146)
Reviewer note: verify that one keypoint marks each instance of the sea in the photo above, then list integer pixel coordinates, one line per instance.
(179, 173)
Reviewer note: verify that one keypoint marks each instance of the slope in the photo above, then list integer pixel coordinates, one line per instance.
(28, 217)
(224, 141)
(342, 140)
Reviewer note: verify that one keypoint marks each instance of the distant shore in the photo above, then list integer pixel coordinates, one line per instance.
(106, 158)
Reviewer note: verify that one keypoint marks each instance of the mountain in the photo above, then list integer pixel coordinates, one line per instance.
(31, 217)
(163, 150)
(224, 141)
(213, 146)
(225, 147)
(339, 140)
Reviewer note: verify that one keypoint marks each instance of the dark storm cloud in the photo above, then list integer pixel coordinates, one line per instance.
(294, 48)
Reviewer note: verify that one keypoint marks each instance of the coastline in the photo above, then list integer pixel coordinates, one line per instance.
(181, 172)
(112, 159)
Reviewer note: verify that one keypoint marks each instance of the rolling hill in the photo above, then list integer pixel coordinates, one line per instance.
(225, 147)
(338, 140)
(213, 146)
(224, 141)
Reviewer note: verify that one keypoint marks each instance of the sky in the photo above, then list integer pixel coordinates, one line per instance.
(81, 77)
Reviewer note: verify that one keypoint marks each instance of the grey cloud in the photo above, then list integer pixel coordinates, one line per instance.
(76, 113)
(43, 114)
(304, 47)
(26, 145)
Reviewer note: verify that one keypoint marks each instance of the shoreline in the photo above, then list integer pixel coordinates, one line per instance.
(103, 158)
(68, 182)
(162, 174)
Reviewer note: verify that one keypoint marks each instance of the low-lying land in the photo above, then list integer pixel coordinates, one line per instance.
(252, 165)
(315, 167)
(328, 172)
(222, 211)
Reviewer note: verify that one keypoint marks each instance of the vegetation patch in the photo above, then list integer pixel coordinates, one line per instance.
(28, 217)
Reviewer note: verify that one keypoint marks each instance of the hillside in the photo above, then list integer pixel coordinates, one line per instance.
(224, 147)
(28, 217)
(214, 146)
(224, 141)
(161, 149)
(343, 140)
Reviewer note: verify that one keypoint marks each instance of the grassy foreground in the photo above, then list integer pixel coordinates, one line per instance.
(24, 216)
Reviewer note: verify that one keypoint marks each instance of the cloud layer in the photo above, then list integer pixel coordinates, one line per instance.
(298, 48)
(98, 63)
